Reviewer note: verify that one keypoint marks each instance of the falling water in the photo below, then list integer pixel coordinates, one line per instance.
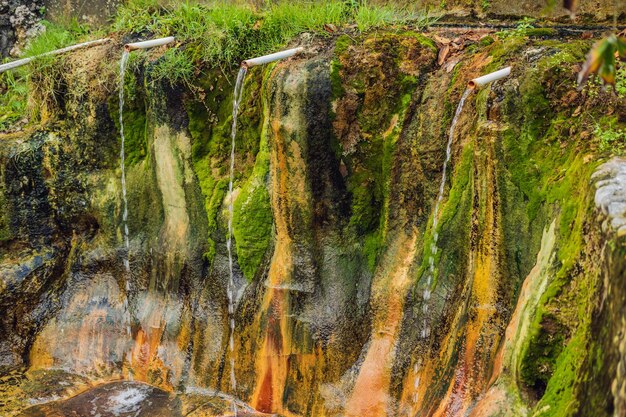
(433, 246)
(231, 281)
(123, 64)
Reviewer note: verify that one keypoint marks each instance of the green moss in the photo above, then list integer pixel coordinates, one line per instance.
(486, 41)
(209, 172)
(342, 44)
(369, 185)
(561, 391)
(540, 356)
(213, 189)
(135, 120)
(210, 124)
(5, 231)
(252, 220)
(541, 32)
(252, 217)
(423, 40)
(459, 193)
(503, 49)
(252, 226)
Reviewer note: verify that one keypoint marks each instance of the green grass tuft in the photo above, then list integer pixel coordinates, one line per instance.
(13, 97)
(174, 67)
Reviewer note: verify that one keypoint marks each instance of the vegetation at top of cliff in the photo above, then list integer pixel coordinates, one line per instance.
(22, 87)
(223, 35)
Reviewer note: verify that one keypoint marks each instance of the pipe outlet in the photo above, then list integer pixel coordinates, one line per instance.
(266, 59)
(489, 78)
(148, 44)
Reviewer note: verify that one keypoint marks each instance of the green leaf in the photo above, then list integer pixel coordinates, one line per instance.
(601, 60)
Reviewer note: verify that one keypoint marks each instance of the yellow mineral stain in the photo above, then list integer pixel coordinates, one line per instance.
(170, 177)
(481, 330)
(279, 358)
(502, 397)
(144, 353)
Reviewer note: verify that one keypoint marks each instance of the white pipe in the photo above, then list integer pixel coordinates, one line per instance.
(148, 44)
(266, 59)
(486, 79)
(24, 61)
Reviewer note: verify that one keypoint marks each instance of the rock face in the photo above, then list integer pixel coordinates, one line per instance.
(95, 12)
(338, 163)
(610, 180)
(19, 20)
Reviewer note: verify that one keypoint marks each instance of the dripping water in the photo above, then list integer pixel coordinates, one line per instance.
(425, 332)
(231, 280)
(123, 65)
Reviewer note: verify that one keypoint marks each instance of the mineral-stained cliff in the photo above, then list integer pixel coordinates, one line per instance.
(338, 164)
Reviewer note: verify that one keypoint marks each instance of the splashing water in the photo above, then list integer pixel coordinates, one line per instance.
(123, 65)
(231, 281)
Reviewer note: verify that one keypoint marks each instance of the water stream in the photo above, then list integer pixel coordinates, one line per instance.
(231, 279)
(425, 332)
(123, 65)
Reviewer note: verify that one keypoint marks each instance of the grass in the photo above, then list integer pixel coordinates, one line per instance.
(222, 35)
(174, 67)
(54, 37)
(368, 16)
(13, 98)
(523, 26)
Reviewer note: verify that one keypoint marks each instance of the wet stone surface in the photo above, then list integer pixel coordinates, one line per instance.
(116, 399)
(610, 182)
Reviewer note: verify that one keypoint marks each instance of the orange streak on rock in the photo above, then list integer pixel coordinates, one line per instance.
(370, 396)
(272, 363)
(144, 354)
